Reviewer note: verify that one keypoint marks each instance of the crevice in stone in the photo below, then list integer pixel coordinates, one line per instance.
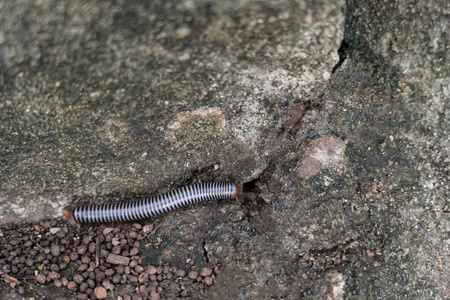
(342, 51)
(258, 194)
(295, 122)
(205, 254)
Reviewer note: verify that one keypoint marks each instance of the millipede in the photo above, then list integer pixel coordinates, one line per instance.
(153, 206)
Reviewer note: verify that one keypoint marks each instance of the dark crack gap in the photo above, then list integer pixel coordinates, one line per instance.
(258, 194)
(342, 51)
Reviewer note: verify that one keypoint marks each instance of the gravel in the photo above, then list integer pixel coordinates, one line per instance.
(89, 261)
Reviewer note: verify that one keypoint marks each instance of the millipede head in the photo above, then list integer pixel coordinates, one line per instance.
(69, 215)
(237, 191)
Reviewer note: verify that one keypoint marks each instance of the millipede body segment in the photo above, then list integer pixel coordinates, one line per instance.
(153, 206)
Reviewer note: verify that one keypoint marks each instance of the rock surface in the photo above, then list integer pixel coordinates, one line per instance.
(333, 116)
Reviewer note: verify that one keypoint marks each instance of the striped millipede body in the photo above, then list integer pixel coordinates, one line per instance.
(153, 206)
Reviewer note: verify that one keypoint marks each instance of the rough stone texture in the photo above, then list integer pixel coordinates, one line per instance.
(344, 158)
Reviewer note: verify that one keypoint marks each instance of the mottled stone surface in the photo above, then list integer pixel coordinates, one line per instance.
(333, 116)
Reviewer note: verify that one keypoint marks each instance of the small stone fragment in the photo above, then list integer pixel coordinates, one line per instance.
(117, 259)
(55, 250)
(154, 295)
(100, 292)
(41, 278)
(151, 270)
(208, 280)
(205, 272)
(193, 275)
(78, 278)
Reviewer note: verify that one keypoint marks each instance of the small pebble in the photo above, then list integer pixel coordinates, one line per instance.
(136, 297)
(78, 278)
(180, 273)
(55, 250)
(139, 269)
(154, 295)
(74, 256)
(41, 278)
(208, 280)
(71, 285)
(100, 292)
(193, 275)
(134, 251)
(83, 287)
(205, 272)
(151, 270)
(57, 283)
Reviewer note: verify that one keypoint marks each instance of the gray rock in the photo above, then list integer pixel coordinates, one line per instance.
(332, 116)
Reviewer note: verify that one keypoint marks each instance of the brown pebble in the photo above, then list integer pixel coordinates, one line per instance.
(107, 230)
(78, 278)
(134, 251)
(143, 277)
(100, 292)
(137, 226)
(21, 290)
(29, 262)
(57, 283)
(82, 297)
(132, 234)
(108, 285)
(136, 297)
(41, 278)
(117, 259)
(133, 263)
(159, 277)
(180, 273)
(208, 280)
(151, 270)
(133, 278)
(154, 295)
(169, 275)
(100, 276)
(183, 294)
(142, 288)
(74, 256)
(116, 278)
(139, 269)
(109, 272)
(147, 228)
(116, 250)
(193, 275)
(205, 272)
(53, 275)
(83, 287)
(82, 249)
(54, 268)
(71, 285)
(91, 283)
(127, 297)
(85, 259)
(55, 250)
(64, 281)
(82, 267)
(92, 247)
